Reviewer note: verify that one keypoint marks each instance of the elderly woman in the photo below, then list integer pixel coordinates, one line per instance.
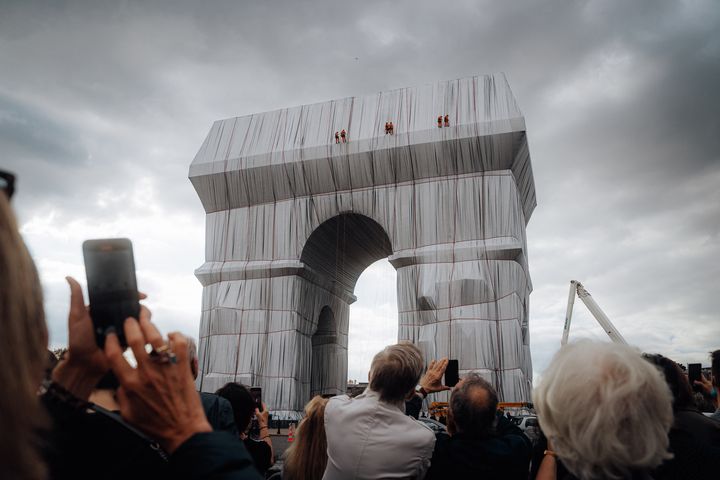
(606, 412)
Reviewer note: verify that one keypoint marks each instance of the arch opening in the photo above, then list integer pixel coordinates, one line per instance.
(373, 319)
(337, 253)
(342, 247)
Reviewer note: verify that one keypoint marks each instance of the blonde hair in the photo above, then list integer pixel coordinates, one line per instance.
(306, 458)
(395, 371)
(23, 353)
(605, 409)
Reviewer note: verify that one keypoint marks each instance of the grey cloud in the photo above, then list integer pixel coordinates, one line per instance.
(620, 100)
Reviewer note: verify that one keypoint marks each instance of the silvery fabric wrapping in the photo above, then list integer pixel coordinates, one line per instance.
(293, 219)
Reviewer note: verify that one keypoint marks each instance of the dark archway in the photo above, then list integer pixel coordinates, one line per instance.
(337, 252)
(342, 247)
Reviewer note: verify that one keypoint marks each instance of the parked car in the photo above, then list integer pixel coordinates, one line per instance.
(529, 425)
(433, 425)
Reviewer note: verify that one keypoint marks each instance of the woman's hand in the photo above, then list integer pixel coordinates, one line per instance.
(705, 384)
(157, 397)
(262, 417)
(707, 387)
(84, 363)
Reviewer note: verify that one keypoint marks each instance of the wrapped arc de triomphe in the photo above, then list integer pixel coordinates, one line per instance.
(293, 219)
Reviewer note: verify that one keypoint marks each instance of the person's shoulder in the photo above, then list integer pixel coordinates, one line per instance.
(417, 430)
(211, 455)
(336, 403)
(693, 419)
(337, 400)
(208, 399)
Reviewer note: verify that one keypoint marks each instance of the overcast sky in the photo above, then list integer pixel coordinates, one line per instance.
(103, 106)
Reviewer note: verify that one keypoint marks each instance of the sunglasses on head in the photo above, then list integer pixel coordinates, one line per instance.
(7, 183)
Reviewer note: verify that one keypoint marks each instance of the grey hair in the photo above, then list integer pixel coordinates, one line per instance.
(606, 410)
(192, 356)
(473, 405)
(395, 371)
(192, 349)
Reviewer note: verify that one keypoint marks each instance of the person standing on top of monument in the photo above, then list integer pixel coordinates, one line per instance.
(440, 119)
(447, 120)
(337, 137)
(343, 135)
(392, 128)
(387, 128)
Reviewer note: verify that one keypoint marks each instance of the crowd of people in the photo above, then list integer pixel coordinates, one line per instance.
(605, 410)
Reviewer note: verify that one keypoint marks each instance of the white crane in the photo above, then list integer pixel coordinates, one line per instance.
(603, 320)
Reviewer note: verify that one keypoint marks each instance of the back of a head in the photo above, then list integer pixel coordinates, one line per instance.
(473, 406)
(306, 458)
(23, 343)
(242, 401)
(606, 410)
(395, 371)
(676, 380)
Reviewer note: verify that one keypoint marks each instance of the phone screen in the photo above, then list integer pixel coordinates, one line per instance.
(256, 393)
(452, 375)
(694, 372)
(112, 287)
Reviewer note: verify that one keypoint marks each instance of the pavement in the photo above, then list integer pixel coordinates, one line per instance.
(280, 442)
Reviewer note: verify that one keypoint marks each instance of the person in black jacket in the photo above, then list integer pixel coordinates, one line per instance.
(245, 410)
(694, 438)
(480, 443)
(218, 410)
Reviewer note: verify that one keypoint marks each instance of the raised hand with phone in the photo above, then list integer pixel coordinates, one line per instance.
(158, 396)
(431, 381)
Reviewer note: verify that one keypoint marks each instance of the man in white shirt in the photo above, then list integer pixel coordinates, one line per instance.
(369, 436)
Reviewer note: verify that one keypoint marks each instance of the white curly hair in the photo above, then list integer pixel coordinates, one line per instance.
(606, 410)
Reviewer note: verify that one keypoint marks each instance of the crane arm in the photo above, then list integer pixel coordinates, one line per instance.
(589, 301)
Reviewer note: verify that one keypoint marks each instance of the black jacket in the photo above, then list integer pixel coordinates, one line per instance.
(503, 454)
(83, 444)
(213, 456)
(695, 444)
(219, 413)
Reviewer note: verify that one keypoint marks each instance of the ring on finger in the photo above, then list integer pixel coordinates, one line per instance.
(163, 355)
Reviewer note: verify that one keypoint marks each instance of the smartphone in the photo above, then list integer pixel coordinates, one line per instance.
(452, 375)
(112, 286)
(256, 393)
(694, 372)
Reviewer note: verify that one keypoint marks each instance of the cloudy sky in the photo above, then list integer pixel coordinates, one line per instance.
(103, 105)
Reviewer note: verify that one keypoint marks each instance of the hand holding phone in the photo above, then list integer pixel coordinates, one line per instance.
(694, 375)
(256, 393)
(431, 381)
(112, 286)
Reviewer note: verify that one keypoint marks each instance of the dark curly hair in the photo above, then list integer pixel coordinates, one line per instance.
(242, 402)
(676, 380)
